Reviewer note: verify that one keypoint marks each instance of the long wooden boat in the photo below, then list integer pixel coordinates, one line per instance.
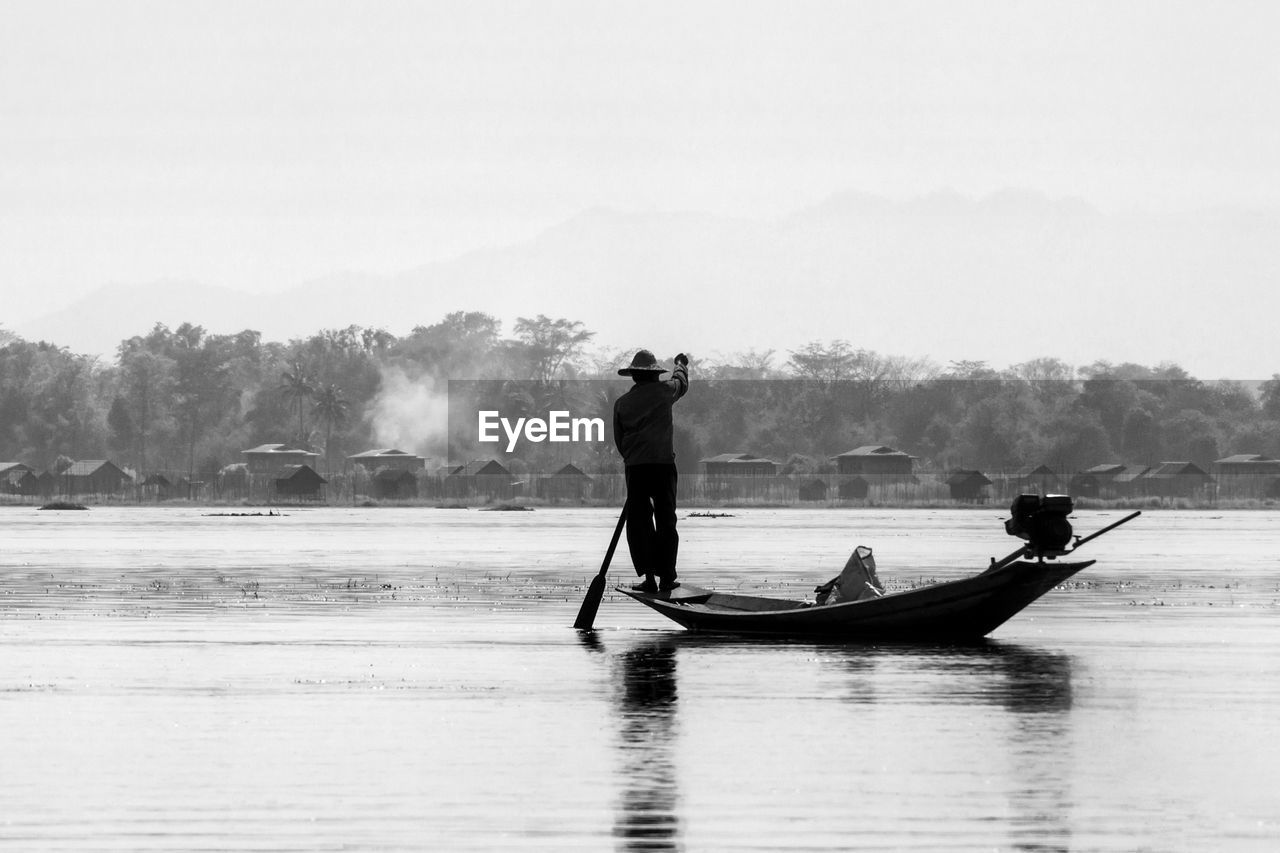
(965, 609)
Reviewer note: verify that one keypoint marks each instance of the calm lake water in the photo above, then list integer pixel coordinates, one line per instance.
(407, 679)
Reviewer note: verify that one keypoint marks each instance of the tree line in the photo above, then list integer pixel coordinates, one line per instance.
(187, 400)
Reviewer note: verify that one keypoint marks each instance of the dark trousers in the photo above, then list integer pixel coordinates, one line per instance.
(651, 519)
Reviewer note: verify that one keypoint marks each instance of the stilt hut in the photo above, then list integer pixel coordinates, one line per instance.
(300, 482)
(1095, 482)
(1245, 475)
(732, 476)
(570, 483)
(1177, 480)
(968, 485)
(10, 475)
(93, 477)
(1034, 480)
(17, 479)
(853, 488)
(267, 463)
(877, 463)
(484, 478)
(28, 484)
(388, 458)
(1128, 482)
(396, 484)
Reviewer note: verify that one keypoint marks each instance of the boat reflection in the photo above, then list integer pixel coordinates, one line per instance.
(1030, 690)
(1033, 686)
(989, 672)
(1017, 678)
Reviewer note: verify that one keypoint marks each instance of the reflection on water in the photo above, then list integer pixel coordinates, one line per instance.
(403, 679)
(1032, 686)
(1035, 685)
(1015, 677)
(643, 700)
(645, 690)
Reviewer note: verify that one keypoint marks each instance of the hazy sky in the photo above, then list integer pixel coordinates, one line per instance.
(257, 144)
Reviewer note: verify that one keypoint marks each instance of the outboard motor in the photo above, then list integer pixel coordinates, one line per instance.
(1042, 521)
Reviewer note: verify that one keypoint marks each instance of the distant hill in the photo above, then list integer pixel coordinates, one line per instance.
(1003, 278)
(99, 321)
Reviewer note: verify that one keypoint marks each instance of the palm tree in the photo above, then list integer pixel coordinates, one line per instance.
(331, 409)
(296, 387)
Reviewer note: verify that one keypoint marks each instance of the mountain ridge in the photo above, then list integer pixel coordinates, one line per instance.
(1003, 277)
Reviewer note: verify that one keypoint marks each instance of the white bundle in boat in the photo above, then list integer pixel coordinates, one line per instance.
(856, 582)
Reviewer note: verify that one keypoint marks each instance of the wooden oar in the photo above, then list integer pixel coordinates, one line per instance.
(595, 592)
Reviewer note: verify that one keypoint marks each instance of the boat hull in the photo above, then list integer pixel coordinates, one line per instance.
(965, 609)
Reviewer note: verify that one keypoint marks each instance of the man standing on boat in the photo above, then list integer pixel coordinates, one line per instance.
(642, 430)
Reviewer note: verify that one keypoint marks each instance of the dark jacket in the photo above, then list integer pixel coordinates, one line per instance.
(642, 427)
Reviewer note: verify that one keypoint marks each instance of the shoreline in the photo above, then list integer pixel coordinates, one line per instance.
(263, 509)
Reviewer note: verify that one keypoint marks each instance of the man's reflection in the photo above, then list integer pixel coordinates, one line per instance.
(645, 689)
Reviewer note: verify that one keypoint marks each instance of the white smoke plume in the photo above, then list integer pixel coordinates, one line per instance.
(411, 413)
